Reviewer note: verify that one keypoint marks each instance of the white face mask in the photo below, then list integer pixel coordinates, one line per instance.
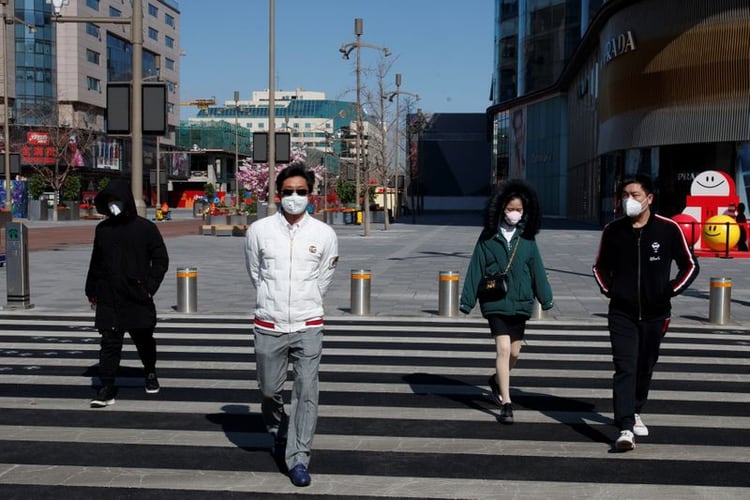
(632, 208)
(294, 204)
(116, 207)
(513, 217)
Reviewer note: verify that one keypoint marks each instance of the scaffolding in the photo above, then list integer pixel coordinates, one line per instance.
(215, 135)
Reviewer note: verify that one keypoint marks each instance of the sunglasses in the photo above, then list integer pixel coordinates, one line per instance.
(290, 192)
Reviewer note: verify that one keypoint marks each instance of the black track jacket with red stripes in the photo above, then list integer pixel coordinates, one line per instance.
(633, 266)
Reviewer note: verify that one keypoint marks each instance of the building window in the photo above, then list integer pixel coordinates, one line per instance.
(92, 56)
(169, 41)
(170, 108)
(93, 84)
(153, 10)
(114, 12)
(92, 4)
(169, 63)
(93, 30)
(169, 19)
(153, 34)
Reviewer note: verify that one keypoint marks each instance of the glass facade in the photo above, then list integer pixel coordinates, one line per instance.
(535, 40)
(552, 33)
(119, 60)
(35, 65)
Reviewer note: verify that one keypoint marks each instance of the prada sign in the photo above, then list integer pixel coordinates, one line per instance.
(619, 45)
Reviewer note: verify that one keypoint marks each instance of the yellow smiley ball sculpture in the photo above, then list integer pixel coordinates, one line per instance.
(715, 233)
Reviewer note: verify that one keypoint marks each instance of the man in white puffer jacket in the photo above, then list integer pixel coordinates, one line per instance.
(290, 257)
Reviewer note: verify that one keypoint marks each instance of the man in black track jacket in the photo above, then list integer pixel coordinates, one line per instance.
(633, 269)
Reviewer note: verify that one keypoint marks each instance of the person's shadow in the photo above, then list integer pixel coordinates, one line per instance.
(468, 395)
(573, 413)
(247, 431)
(243, 428)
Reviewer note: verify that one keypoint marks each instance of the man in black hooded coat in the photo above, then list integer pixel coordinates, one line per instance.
(128, 263)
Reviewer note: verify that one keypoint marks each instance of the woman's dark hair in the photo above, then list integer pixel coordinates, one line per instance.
(493, 213)
(296, 170)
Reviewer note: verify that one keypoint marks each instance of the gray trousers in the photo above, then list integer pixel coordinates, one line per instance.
(273, 353)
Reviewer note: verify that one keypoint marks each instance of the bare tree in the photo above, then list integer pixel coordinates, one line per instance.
(380, 124)
(65, 146)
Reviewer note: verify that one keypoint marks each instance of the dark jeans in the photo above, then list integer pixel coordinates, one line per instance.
(635, 350)
(110, 351)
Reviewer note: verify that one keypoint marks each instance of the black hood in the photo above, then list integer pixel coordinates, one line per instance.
(532, 217)
(116, 190)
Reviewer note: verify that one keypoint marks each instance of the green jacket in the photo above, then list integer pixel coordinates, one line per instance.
(527, 278)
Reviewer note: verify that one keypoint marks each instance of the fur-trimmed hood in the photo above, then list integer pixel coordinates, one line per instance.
(493, 213)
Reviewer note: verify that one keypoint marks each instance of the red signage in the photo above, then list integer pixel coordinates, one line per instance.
(37, 150)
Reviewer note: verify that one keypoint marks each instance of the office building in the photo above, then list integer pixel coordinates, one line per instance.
(59, 71)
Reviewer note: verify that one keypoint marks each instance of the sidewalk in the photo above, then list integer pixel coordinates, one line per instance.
(404, 261)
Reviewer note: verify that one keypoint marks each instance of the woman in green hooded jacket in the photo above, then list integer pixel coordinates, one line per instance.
(507, 245)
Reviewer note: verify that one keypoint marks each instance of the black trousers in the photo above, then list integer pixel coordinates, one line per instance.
(110, 351)
(635, 350)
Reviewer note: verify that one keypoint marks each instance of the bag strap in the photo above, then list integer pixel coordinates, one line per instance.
(512, 256)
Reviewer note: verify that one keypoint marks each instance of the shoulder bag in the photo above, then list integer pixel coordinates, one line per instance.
(495, 286)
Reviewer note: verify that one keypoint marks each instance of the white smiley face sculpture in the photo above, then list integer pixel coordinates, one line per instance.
(711, 183)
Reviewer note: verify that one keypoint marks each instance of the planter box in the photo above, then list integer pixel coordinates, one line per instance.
(74, 209)
(64, 214)
(87, 213)
(238, 220)
(334, 218)
(221, 220)
(38, 210)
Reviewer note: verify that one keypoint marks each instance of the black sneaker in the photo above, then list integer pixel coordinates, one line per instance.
(495, 389)
(105, 396)
(506, 414)
(152, 383)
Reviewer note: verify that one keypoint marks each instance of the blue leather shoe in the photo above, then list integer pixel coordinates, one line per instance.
(299, 475)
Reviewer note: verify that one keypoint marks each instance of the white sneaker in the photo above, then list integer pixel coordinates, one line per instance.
(639, 429)
(626, 441)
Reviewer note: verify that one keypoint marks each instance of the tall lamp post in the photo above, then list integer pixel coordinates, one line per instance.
(136, 111)
(396, 94)
(271, 107)
(8, 19)
(237, 145)
(345, 50)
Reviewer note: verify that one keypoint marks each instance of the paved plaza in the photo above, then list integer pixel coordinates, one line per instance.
(405, 262)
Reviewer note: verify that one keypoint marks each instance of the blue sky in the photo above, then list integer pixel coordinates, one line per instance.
(443, 49)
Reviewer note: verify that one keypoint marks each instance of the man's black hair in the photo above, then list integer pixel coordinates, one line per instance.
(642, 179)
(296, 170)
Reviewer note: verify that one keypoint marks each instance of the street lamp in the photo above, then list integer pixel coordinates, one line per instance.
(237, 145)
(136, 108)
(396, 94)
(8, 19)
(345, 50)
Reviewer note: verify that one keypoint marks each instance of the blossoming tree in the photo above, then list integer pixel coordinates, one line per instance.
(254, 176)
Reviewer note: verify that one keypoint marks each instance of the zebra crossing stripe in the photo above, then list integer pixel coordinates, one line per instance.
(404, 413)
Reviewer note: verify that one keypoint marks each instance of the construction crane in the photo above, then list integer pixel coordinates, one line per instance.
(201, 104)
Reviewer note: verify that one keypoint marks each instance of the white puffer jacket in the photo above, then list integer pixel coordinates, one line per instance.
(290, 271)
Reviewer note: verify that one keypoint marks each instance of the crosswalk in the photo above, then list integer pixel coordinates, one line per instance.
(404, 413)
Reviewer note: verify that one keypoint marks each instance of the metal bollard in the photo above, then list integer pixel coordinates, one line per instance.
(720, 299)
(360, 291)
(448, 293)
(17, 264)
(187, 289)
(537, 313)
